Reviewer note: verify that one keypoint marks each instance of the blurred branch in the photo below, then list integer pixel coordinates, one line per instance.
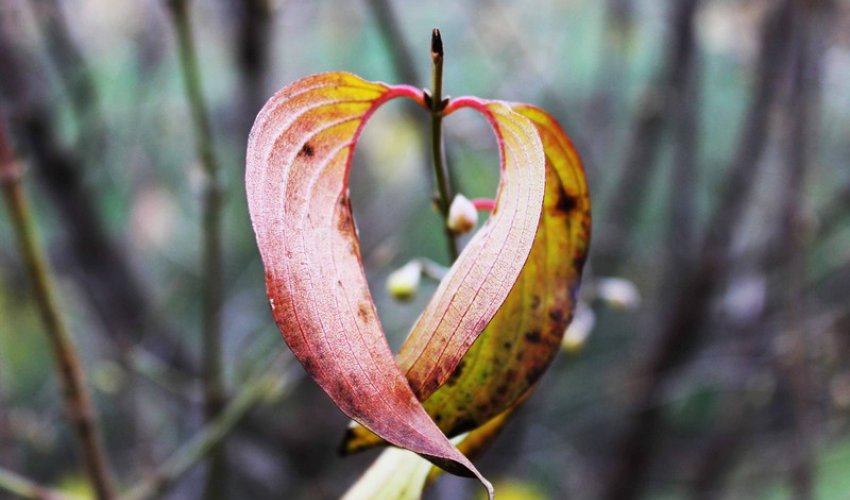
(76, 396)
(25, 488)
(681, 332)
(74, 70)
(608, 96)
(267, 385)
(211, 265)
(666, 97)
(101, 267)
(798, 112)
(683, 100)
(253, 44)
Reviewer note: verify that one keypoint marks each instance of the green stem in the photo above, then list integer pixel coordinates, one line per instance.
(74, 391)
(211, 240)
(441, 170)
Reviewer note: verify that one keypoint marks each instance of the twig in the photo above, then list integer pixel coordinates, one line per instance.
(441, 171)
(211, 437)
(100, 265)
(74, 70)
(253, 32)
(26, 488)
(798, 114)
(71, 375)
(211, 261)
(659, 104)
(683, 103)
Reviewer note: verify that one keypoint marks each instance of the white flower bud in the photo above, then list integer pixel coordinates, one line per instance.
(403, 283)
(579, 329)
(619, 293)
(462, 215)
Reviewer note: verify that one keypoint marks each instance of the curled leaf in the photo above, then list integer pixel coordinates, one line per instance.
(523, 337)
(299, 155)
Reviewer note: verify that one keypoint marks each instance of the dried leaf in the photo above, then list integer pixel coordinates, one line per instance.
(523, 337)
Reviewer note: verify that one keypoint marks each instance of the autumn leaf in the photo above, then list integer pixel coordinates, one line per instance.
(299, 156)
(520, 342)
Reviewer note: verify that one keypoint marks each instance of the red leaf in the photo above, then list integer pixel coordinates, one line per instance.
(299, 155)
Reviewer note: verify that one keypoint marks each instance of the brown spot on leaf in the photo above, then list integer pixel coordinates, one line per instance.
(363, 312)
(565, 203)
(307, 150)
(456, 374)
(533, 336)
(535, 301)
(556, 314)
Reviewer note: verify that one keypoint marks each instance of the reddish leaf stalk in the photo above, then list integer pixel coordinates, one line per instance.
(484, 204)
(77, 400)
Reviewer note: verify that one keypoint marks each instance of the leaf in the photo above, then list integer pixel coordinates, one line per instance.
(299, 156)
(524, 336)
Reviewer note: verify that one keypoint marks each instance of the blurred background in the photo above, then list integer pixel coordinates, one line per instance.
(712, 355)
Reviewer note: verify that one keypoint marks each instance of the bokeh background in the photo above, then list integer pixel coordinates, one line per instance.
(712, 359)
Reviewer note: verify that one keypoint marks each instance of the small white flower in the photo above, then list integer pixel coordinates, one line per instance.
(462, 215)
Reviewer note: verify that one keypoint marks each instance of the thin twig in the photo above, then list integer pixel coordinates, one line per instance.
(211, 437)
(212, 261)
(798, 114)
(74, 70)
(29, 489)
(76, 396)
(441, 170)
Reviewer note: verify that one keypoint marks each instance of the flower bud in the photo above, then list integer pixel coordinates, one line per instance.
(579, 329)
(462, 215)
(619, 293)
(403, 283)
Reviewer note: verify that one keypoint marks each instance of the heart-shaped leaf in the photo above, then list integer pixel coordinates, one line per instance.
(299, 156)
(523, 337)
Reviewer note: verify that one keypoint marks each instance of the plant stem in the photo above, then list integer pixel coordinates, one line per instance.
(440, 168)
(74, 391)
(211, 264)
